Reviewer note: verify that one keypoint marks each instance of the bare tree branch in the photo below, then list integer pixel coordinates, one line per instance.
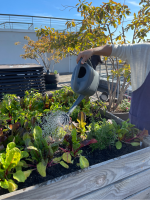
(65, 7)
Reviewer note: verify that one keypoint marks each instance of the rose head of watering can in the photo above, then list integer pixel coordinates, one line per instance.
(84, 81)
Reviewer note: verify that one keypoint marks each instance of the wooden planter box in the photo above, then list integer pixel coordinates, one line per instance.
(127, 176)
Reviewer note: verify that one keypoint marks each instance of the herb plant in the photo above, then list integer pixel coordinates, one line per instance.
(104, 132)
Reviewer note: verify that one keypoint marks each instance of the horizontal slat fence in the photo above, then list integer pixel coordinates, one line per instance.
(17, 79)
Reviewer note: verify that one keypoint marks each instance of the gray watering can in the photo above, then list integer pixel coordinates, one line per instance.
(84, 81)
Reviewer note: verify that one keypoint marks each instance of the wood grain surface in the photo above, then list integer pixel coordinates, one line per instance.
(144, 194)
(122, 189)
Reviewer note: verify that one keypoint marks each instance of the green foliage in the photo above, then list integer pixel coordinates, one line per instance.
(83, 162)
(104, 132)
(125, 105)
(41, 152)
(55, 72)
(9, 163)
(64, 98)
(73, 150)
(127, 133)
(23, 113)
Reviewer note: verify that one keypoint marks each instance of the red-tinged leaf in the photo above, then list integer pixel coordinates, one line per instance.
(64, 150)
(15, 126)
(85, 143)
(46, 105)
(1, 132)
(33, 120)
(143, 134)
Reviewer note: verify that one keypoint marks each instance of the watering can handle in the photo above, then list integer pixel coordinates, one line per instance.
(76, 75)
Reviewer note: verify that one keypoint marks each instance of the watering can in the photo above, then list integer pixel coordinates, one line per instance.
(84, 81)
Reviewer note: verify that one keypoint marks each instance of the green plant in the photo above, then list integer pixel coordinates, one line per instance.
(11, 167)
(26, 111)
(55, 72)
(41, 152)
(127, 133)
(125, 105)
(9, 105)
(73, 150)
(104, 132)
(80, 126)
(64, 98)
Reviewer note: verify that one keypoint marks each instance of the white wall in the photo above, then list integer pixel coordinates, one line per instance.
(10, 53)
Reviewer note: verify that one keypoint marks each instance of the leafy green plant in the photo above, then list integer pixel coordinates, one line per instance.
(128, 134)
(73, 150)
(41, 152)
(25, 111)
(11, 167)
(9, 105)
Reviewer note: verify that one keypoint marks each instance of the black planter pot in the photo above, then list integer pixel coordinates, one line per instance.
(51, 78)
(124, 115)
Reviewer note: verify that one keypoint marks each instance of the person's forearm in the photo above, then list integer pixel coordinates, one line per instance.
(103, 50)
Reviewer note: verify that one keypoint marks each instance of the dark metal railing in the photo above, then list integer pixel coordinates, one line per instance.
(10, 21)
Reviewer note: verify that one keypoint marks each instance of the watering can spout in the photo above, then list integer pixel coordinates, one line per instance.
(79, 99)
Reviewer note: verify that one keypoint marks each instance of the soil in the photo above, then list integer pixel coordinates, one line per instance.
(94, 157)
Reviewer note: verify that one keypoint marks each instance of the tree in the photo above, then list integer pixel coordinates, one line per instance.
(96, 31)
(42, 47)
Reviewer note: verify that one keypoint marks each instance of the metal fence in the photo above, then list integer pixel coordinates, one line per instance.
(9, 21)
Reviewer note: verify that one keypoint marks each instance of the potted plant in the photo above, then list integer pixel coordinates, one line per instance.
(122, 110)
(51, 80)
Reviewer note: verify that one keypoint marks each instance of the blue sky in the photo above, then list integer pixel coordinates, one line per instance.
(53, 8)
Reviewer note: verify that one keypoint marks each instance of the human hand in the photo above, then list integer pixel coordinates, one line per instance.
(85, 55)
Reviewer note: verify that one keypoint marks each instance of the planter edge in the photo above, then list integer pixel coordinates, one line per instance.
(94, 171)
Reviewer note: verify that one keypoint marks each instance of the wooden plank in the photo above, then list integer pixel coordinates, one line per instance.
(144, 194)
(122, 189)
(87, 180)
